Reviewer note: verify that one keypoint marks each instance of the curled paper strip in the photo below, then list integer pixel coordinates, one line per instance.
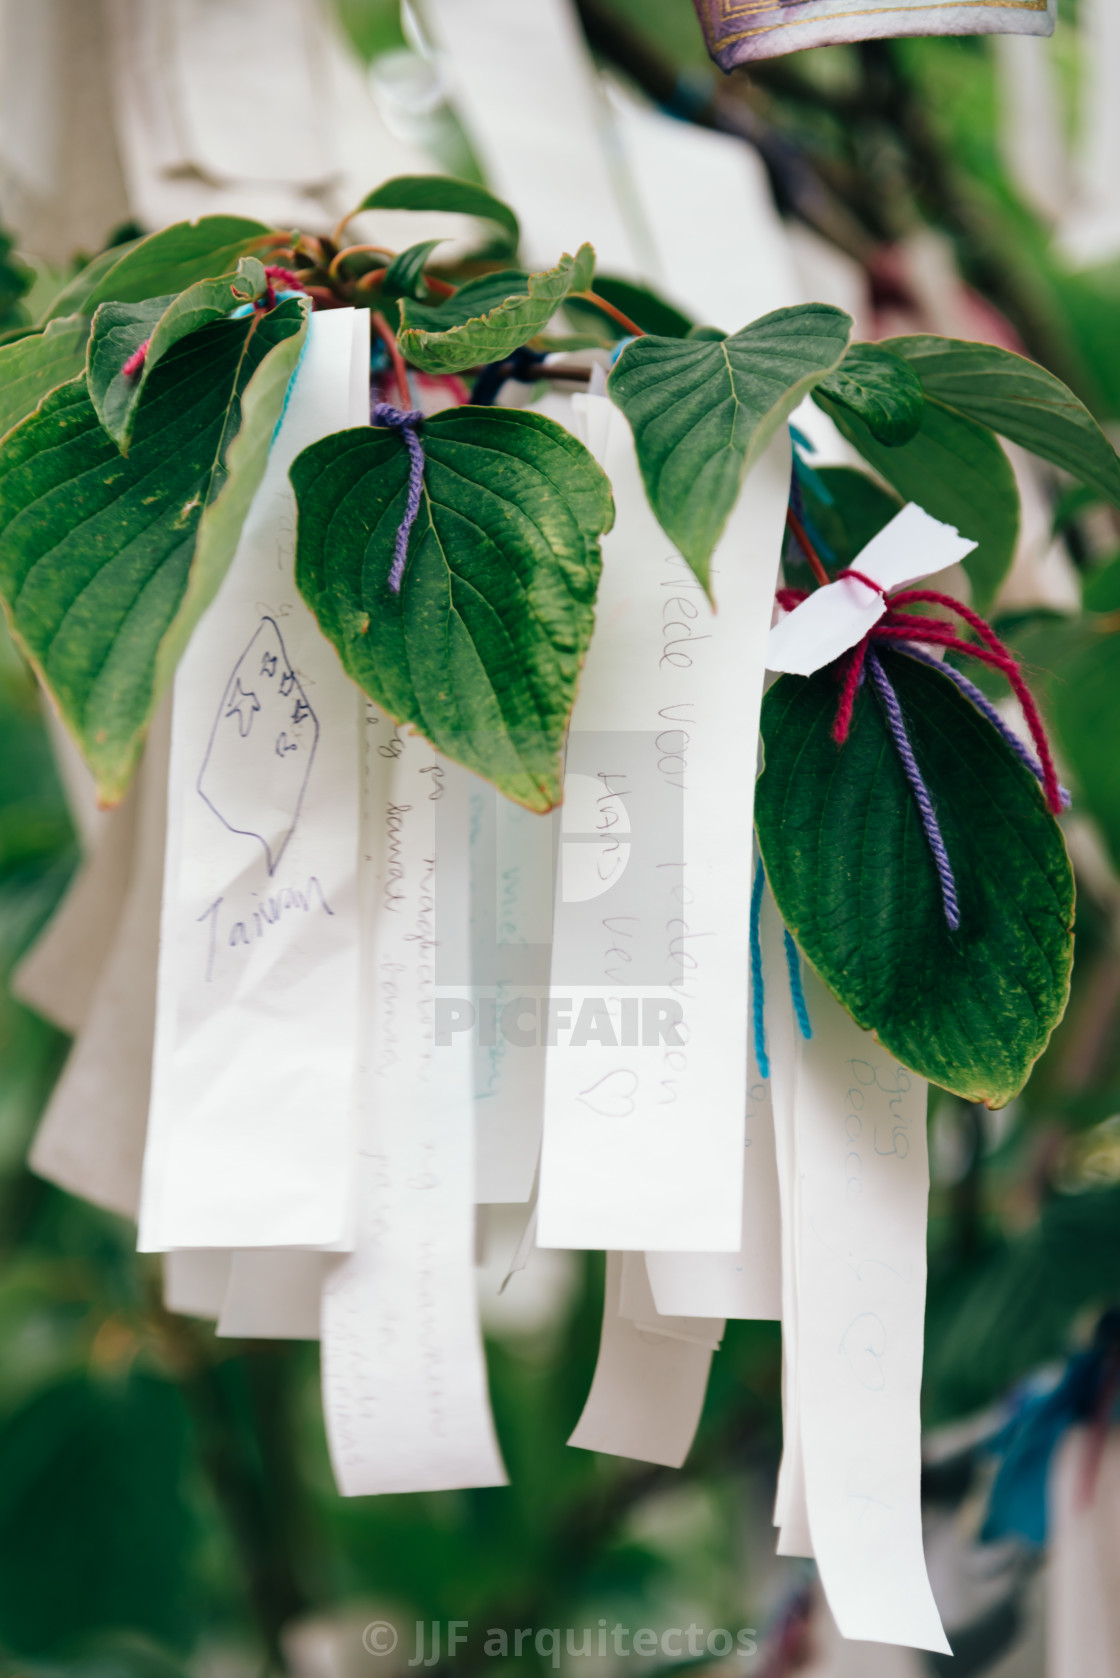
(738, 31)
(835, 618)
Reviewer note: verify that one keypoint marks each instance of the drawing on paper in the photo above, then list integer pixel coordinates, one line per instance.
(262, 746)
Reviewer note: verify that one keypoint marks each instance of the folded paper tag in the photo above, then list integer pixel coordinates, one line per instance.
(738, 31)
(646, 1082)
(836, 617)
(250, 1131)
(404, 1378)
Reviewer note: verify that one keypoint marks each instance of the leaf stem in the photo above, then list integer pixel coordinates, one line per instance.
(807, 548)
(389, 339)
(357, 250)
(609, 309)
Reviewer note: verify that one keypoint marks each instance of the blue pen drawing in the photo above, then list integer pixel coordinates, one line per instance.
(262, 746)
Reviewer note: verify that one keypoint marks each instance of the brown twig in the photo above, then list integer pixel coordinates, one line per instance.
(802, 539)
(609, 309)
(389, 339)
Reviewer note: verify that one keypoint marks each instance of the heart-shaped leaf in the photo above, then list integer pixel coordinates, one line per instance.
(881, 389)
(119, 330)
(164, 262)
(852, 874)
(958, 472)
(702, 412)
(442, 193)
(106, 561)
(481, 650)
(1017, 398)
(491, 333)
(39, 363)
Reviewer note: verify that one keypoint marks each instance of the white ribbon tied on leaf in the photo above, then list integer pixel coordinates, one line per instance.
(837, 617)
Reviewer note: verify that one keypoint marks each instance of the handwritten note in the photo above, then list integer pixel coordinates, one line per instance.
(646, 1082)
(860, 1227)
(648, 1389)
(404, 1380)
(250, 1135)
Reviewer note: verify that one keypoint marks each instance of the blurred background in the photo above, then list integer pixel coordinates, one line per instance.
(166, 1504)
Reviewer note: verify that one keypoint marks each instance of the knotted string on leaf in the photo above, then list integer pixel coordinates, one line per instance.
(407, 421)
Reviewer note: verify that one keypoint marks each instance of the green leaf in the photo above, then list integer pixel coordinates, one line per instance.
(881, 389)
(956, 470)
(702, 412)
(1085, 706)
(404, 276)
(475, 298)
(442, 192)
(1100, 592)
(503, 326)
(857, 509)
(1017, 398)
(33, 366)
(119, 329)
(853, 877)
(481, 650)
(163, 263)
(106, 561)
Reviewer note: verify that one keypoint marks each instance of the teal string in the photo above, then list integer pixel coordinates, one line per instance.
(758, 995)
(292, 382)
(800, 1007)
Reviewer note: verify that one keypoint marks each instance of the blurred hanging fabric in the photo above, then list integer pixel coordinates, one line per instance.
(739, 31)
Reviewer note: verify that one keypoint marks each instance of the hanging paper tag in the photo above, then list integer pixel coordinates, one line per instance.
(91, 1137)
(250, 1130)
(273, 1295)
(648, 1388)
(195, 1281)
(836, 617)
(404, 1379)
(860, 1227)
(646, 1081)
(739, 31)
(1083, 1577)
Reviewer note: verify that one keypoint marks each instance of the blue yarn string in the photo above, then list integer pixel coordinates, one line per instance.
(758, 993)
(984, 705)
(893, 712)
(800, 1006)
(407, 422)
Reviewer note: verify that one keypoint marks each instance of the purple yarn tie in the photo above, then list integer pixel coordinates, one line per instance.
(893, 711)
(407, 421)
(984, 705)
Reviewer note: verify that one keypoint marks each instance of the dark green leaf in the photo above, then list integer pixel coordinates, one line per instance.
(881, 389)
(1100, 591)
(1085, 705)
(643, 306)
(1020, 400)
(404, 276)
(956, 470)
(493, 335)
(852, 875)
(107, 562)
(482, 648)
(703, 412)
(475, 298)
(119, 329)
(164, 263)
(35, 365)
(443, 192)
(94, 1532)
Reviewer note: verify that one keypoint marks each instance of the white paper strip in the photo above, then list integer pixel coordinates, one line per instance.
(747, 1283)
(273, 1295)
(91, 1137)
(647, 1065)
(251, 1124)
(863, 1186)
(195, 1282)
(525, 88)
(637, 1304)
(836, 617)
(404, 1381)
(648, 1389)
